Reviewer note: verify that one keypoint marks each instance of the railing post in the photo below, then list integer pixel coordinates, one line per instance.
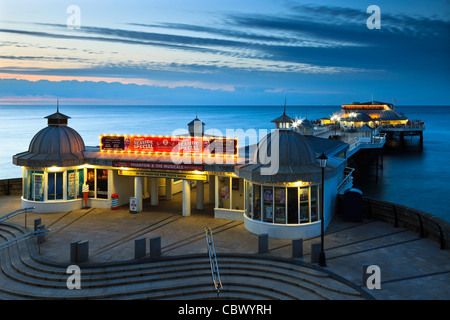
(395, 216)
(441, 236)
(422, 234)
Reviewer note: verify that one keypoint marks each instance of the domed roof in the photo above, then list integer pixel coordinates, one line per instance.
(293, 148)
(282, 156)
(57, 140)
(55, 145)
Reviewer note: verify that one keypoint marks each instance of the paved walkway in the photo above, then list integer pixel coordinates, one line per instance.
(411, 267)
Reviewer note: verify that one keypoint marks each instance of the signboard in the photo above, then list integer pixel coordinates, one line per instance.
(169, 144)
(156, 165)
(133, 205)
(170, 175)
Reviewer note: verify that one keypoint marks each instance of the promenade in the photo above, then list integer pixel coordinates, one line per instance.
(412, 268)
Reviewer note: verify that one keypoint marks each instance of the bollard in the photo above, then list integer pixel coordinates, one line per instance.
(139, 248)
(263, 243)
(37, 222)
(315, 251)
(74, 251)
(83, 251)
(297, 248)
(155, 247)
(41, 237)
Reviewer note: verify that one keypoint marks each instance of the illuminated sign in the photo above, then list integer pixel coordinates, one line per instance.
(170, 175)
(169, 144)
(155, 165)
(364, 107)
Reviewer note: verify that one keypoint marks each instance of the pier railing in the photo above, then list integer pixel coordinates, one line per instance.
(425, 224)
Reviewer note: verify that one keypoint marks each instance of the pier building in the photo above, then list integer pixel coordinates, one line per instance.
(274, 186)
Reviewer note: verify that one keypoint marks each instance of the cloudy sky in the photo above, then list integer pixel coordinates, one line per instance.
(223, 52)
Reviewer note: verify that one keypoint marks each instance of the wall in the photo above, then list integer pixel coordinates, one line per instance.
(425, 224)
(10, 186)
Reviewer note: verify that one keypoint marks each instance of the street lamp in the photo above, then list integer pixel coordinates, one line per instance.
(323, 163)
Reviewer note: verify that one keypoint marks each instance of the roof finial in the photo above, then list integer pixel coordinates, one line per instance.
(284, 112)
(57, 105)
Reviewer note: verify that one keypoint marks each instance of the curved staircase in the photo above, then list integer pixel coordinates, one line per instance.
(25, 275)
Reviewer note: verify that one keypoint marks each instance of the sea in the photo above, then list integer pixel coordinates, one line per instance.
(412, 177)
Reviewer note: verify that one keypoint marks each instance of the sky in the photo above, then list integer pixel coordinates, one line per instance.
(246, 52)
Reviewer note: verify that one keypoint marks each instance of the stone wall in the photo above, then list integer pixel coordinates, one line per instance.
(10, 186)
(425, 224)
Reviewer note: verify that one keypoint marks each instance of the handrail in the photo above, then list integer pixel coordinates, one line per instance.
(14, 213)
(23, 237)
(213, 261)
(348, 173)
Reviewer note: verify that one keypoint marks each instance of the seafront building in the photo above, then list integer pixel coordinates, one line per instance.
(273, 186)
(381, 117)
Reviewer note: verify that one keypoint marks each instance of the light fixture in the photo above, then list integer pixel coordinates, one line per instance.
(322, 160)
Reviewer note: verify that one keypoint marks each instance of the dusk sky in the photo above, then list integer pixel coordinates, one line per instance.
(246, 52)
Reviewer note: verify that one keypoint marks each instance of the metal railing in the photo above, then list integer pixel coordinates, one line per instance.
(213, 261)
(15, 213)
(347, 175)
(23, 237)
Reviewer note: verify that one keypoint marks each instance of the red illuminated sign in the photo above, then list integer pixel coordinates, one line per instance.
(168, 144)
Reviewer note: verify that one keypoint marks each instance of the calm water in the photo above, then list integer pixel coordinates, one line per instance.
(419, 179)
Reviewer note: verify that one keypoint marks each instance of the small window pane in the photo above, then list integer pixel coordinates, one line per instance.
(268, 204)
(256, 202)
(293, 205)
(280, 205)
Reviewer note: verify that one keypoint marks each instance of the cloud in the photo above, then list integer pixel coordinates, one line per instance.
(137, 81)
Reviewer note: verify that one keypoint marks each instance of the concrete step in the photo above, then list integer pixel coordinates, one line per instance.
(24, 276)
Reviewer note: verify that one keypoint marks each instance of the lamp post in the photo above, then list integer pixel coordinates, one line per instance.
(323, 163)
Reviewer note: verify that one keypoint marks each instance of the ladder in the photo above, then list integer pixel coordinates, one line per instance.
(213, 261)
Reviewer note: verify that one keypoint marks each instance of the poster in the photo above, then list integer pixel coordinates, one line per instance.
(268, 195)
(280, 195)
(224, 192)
(71, 185)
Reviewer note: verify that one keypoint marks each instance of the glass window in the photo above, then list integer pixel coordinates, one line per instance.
(35, 186)
(268, 204)
(91, 182)
(72, 184)
(280, 205)
(75, 180)
(249, 199)
(224, 192)
(55, 186)
(102, 184)
(292, 206)
(256, 202)
(304, 205)
(314, 211)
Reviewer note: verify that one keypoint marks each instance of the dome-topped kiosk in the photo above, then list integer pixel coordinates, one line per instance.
(52, 167)
(56, 145)
(283, 182)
